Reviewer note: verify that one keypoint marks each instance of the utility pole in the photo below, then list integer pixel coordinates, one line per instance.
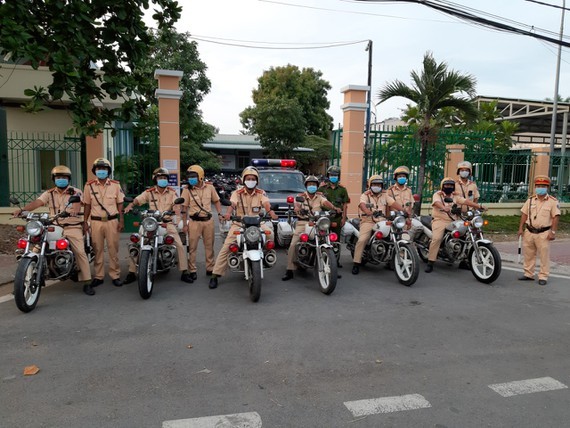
(367, 130)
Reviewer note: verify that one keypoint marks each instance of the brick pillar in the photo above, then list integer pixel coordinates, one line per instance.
(352, 150)
(169, 94)
(453, 157)
(94, 149)
(540, 166)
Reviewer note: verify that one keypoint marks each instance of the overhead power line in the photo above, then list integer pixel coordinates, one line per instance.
(548, 4)
(242, 44)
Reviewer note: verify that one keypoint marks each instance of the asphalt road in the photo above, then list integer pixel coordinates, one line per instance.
(447, 352)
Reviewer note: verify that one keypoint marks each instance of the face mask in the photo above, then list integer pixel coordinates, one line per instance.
(162, 182)
(448, 190)
(402, 180)
(464, 174)
(102, 174)
(61, 182)
(376, 189)
(333, 179)
(540, 191)
(311, 189)
(192, 181)
(250, 184)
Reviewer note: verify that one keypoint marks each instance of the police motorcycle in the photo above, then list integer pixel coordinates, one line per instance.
(463, 241)
(286, 225)
(388, 243)
(252, 252)
(44, 254)
(152, 249)
(318, 246)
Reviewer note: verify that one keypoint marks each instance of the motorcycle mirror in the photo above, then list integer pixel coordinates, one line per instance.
(447, 200)
(300, 199)
(14, 201)
(73, 199)
(178, 201)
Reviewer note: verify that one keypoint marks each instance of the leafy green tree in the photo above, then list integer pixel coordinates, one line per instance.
(91, 48)
(290, 104)
(434, 88)
(311, 162)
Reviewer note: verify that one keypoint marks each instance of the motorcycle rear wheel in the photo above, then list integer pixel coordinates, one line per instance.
(328, 276)
(490, 268)
(254, 280)
(145, 275)
(422, 245)
(408, 271)
(26, 294)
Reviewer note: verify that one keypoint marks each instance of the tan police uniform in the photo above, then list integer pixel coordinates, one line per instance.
(246, 204)
(540, 214)
(198, 206)
(312, 203)
(440, 220)
(463, 188)
(163, 201)
(104, 219)
(380, 202)
(56, 199)
(402, 195)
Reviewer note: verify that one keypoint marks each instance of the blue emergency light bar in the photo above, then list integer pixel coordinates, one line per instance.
(284, 163)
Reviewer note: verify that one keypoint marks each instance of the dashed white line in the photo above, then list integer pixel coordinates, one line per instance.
(236, 420)
(387, 405)
(527, 386)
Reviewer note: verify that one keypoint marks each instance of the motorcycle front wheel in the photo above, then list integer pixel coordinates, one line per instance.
(489, 269)
(408, 270)
(328, 275)
(26, 286)
(145, 275)
(254, 280)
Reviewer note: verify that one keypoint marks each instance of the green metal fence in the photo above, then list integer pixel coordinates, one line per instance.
(560, 176)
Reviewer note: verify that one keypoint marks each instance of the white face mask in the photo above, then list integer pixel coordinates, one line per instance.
(464, 174)
(250, 184)
(376, 189)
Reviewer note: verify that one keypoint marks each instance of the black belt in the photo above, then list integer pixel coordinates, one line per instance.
(111, 217)
(201, 218)
(537, 229)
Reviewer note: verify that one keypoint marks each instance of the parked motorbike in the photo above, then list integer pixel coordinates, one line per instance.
(317, 248)
(153, 249)
(45, 254)
(252, 253)
(463, 241)
(388, 243)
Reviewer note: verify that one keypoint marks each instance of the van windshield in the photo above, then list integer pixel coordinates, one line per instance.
(281, 182)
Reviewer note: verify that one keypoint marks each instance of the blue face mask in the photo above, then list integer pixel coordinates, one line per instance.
(192, 181)
(102, 174)
(402, 180)
(162, 182)
(311, 189)
(62, 182)
(540, 191)
(333, 179)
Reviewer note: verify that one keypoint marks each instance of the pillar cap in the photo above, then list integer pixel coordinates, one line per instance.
(354, 88)
(170, 73)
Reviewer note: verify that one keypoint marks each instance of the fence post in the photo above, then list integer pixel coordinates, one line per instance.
(453, 156)
(540, 165)
(5, 188)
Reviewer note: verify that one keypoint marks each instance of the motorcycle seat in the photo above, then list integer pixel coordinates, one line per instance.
(355, 222)
(426, 220)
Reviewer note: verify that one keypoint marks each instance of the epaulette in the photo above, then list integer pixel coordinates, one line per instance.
(51, 190)
(150, 190)
(170, 189)
(209, 183)
(319, 193)
(260, 191)
(92, 181)
(240, 191)
(115, 181)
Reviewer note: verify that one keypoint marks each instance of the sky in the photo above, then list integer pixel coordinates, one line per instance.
(505, 65)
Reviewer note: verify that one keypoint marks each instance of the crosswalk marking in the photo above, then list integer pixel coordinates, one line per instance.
(527, 386)
(387, 404)
(236, 420)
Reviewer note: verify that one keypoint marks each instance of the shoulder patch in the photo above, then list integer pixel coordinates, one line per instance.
(115, 181)
(260, 191)
(150, 190)
(92, 181)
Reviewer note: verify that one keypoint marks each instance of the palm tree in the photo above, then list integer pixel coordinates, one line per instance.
(433, 89)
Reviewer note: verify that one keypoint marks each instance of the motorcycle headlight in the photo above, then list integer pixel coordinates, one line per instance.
(149, 224)
(477, 222)
(252, 235)
(324, 223)
(34, 228)
(399, 222)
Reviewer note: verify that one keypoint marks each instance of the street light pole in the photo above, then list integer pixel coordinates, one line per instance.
(367, 130)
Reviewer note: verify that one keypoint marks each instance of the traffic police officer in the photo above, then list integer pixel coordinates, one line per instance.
(160, 197)
(314, 201)
(540, 215)
(103, 200)
(198, 199)
(57, 199)
(248, 200)
(465, 187)
(399, 191)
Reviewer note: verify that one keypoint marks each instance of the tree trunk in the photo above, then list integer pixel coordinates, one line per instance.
(421, 174)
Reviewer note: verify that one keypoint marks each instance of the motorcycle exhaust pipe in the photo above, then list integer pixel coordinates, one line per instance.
(270, 258)
(233, 261)
(134, 253)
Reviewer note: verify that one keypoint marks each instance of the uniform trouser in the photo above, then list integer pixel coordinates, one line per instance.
(106, 232)
(437, 230)
(222, 261)
(206, 230)
(180, 250)
(75, 236)
(292, 251)
(533, 243)
(365, 232)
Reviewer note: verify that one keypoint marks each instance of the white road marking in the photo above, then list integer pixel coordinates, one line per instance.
(237, 420)
(387, 405)
(527, 386)
(6, 298)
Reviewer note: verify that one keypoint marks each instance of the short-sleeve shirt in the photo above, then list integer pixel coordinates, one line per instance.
(312, 203)
(198, 200)
(108, 193)
(56, 199)
(157, 200)
(380, 202)
(403, 196)
(463, 189)
(540, 212)
(439, 196)
(246, 203)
